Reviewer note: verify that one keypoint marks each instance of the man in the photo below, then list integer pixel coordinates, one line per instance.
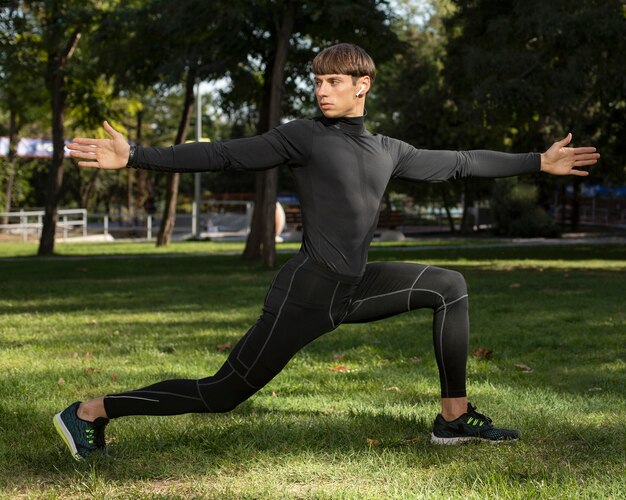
(341, 171)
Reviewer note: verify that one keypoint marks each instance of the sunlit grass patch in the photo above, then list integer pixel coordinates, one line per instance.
(73, 329)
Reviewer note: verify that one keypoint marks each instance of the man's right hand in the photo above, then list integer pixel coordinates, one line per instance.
(110, 154)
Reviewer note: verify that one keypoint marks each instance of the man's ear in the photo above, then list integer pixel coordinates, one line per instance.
(363, 84)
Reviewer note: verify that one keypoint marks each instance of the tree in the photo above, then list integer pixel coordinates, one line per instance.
(199, 46)
(413, 102)
(267, 182)
(525, 72)
(20, 94)
(60, 39)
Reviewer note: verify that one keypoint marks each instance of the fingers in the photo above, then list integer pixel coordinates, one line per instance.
(85, 156)
(565, 141)
(110, 130)
(583, 150)
(584, 163)
(579, 173)
(588, 156)
(88, 141)
(80, 147)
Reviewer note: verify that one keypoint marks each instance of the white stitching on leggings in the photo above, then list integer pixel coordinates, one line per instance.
(275, 321)
(267, 295)
(133, 397)
(167, 394)
(330, 308)
(200, 394)
(381, 295)
(249, 334)
(443, 322)
(408, 302)
(456, 300)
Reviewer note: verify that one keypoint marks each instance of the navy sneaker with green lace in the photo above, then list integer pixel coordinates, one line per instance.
(81, 437)
(471, 426)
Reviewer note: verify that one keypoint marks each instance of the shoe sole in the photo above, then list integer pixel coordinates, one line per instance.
(67, 436)
(466, 439)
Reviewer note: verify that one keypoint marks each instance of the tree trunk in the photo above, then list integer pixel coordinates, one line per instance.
(140, 197)
(88, 188)
(130, 204)
(57, 61)
(267, 182)
(252, 250)
(575, 217)
(468, 201)
(446, 205)
(171, 189)
(563, 196)
(13, 139)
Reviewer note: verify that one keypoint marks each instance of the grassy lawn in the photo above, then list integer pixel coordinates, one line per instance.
(73, 328)
(29, 249)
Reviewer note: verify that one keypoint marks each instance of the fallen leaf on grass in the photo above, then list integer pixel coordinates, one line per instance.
(90, 370)
(391, 389)
(74, 355)
(226, 346)
(94, 321)
(88, 356)
(514, 285)
(339, 357)
(340, 368)
(114, 378)
(274, 395)
(524, 368)
(411, 439)
(482, 353)
(61, 381)
(373, 442)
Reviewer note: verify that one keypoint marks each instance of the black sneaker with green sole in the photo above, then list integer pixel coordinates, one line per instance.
(81, 437)
(471, 426)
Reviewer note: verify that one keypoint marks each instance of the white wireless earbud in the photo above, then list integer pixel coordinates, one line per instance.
(360, 90)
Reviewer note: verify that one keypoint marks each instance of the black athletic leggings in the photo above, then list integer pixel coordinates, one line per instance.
(304, 302)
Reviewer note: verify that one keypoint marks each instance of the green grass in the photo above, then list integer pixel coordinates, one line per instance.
(74, 328)
(29, 249)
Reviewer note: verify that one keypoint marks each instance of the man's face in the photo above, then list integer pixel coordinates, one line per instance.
(336, 95)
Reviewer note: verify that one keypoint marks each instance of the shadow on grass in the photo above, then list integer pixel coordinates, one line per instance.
(567, 329)
(198, 446)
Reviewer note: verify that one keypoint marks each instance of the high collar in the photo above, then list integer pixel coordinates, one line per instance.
(353, 125)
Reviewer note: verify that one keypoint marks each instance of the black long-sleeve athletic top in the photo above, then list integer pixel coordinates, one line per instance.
(341, 171)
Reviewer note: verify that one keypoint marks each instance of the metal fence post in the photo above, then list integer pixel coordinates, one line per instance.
(149, 227)
(23, 225)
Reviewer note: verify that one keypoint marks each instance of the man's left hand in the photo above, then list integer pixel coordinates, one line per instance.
(560, 160)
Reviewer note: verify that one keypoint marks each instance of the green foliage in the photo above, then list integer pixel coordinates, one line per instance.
(524, 73)
(516, 213)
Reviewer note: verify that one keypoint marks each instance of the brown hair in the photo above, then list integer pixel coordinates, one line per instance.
(344, 59)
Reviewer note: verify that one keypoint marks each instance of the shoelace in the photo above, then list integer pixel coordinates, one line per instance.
(477, 415)
(90, 434)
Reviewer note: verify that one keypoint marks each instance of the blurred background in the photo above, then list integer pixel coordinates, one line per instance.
(479, 74)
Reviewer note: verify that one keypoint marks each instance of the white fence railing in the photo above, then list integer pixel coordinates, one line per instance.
(218, 218)
(31, 222)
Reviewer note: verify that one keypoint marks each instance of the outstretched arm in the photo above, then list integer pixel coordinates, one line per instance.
(559, 160)
(436, 166)
(276, 147)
